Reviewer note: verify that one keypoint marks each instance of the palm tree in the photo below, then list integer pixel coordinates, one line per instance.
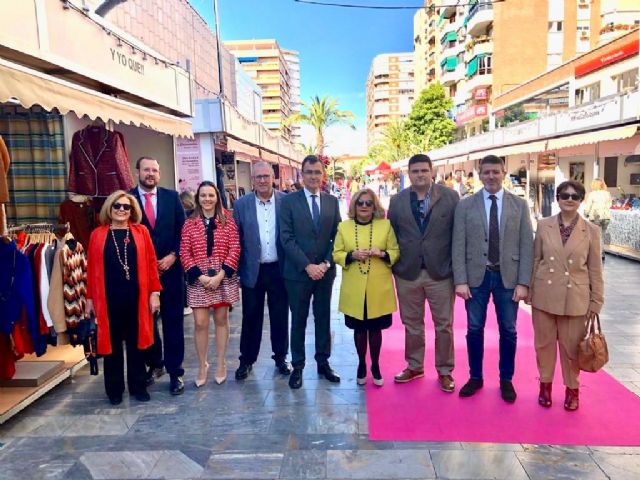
(322, 113)
(397, 143)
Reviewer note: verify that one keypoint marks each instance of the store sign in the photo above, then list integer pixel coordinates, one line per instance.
(481, 93)
(189, 162)
(87, 45)
(624, 51)
(475, 111)
(588, 116)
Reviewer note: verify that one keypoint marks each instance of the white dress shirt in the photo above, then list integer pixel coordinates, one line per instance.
(154, 199)
(266, 212)
(487, 205)
(308, 194)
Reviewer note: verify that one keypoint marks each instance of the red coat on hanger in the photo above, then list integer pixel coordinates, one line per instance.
(98, 163)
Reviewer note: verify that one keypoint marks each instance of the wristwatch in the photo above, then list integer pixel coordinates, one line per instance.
(328, 264)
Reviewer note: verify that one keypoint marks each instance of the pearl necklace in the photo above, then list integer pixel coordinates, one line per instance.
(368, 261)
(125, 264)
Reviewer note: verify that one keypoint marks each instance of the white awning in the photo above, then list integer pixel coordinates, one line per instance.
(30, 87)
(592, 137)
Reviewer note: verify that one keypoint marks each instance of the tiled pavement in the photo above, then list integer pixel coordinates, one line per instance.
(260, 429)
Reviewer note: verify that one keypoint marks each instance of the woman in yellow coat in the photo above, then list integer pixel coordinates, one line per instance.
(366, 248)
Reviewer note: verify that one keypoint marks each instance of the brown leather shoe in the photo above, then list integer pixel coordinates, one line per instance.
(544, 397)
(407, 375)
(446, 383)
(571, 399)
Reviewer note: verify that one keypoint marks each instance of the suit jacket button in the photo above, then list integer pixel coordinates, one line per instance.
(569, 285)
(551, 270)
(549, 282)
(566, 273)
(551, 258)
(570, 261)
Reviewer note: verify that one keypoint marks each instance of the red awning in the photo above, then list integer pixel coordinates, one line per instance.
(380, 168)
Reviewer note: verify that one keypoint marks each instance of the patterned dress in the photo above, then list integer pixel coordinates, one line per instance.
(224, 255)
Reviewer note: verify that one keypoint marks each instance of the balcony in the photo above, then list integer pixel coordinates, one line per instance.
(479, 18)
(448, 8)
(452, 77)
(479, 46)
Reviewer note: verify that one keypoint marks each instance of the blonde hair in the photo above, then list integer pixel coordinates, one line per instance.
(105, 211)
(378, 209)
(598, 184)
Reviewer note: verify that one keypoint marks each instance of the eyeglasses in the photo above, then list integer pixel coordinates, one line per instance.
(572, 196)
(312, 172)
(262, 178)
(121, 206)
(362, 203)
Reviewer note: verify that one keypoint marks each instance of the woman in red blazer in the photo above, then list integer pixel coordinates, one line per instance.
(123, 290)
(209, 252)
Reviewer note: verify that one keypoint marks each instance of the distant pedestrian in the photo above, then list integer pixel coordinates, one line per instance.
(597, 209)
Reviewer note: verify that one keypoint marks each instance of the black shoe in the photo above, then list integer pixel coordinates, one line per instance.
(507, 391)
(328, 373)
(115, 400)
(471, 387)
(150, 380)
(176, 386)
(295, 380)
(142, 397)
(243, 371)
(284, 367)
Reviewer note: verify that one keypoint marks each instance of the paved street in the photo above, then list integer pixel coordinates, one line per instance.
(260, 429)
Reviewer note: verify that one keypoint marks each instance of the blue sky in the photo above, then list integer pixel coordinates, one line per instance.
(336, 45)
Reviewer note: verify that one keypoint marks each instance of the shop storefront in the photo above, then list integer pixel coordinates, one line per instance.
(74, 121)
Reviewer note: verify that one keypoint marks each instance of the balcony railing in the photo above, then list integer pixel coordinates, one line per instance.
(482, 5)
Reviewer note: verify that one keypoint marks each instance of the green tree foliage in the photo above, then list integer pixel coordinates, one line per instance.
(397, 143)
(321, 113)
(512, 114)
(428, 119)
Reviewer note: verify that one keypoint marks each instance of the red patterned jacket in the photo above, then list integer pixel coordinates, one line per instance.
(193, 247)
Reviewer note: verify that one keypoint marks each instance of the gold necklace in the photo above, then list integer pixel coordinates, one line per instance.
(360, 262)
(125, 264)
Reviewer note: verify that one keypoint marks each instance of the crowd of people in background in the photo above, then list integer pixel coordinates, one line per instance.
(438, 240)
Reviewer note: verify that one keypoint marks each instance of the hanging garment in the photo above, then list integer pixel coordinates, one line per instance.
(98, 163)
(16, 287)
(74, 275)
(4, 190)
(81, 217)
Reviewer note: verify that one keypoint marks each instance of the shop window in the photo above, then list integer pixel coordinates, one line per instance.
(627, 80)
(611, 171)
(588, 94)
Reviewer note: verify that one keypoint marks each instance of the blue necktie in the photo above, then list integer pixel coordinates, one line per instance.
(315, 209)
(494, 232)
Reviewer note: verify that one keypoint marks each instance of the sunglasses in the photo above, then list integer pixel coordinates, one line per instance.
(121, 206)
(572, 196)
(362, 203)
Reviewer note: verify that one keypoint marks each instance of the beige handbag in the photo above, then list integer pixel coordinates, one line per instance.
(593, 353)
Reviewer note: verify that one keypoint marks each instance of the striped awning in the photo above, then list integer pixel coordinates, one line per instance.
(30, 87)
(592, 137)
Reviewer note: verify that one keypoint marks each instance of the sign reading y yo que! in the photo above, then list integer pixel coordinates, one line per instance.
(127, 61)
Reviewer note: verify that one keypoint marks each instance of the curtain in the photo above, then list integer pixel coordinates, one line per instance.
(38, 172)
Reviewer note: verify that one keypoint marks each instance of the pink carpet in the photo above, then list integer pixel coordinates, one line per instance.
(609, 414)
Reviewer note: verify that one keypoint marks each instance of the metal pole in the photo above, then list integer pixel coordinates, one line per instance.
(220, 69)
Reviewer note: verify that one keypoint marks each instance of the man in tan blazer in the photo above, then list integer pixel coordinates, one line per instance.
(567, 289)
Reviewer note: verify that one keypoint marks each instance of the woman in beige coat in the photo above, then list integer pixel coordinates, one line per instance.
(597, 208)
(566, 291)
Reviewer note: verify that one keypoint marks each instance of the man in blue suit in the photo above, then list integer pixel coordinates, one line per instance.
(309, 222)
(260, 270)
(163, 215)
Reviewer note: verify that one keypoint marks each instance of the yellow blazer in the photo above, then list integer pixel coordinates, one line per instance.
(567, 280)
(377, 285)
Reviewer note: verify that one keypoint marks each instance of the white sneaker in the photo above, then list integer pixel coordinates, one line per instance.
(187, 311)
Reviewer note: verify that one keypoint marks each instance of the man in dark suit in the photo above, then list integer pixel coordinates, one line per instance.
(260, 270)
(492, 256)
(308, 224)
(163, 215)
(422, 218)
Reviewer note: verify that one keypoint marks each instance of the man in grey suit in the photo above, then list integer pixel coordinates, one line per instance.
(308, 225)
(260, 270)
(492, 255)
(422, 218)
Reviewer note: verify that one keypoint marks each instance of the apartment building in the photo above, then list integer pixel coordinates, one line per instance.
(390, 92)
(426, 49)
(267, 65)
(293, 60)
(486, 48)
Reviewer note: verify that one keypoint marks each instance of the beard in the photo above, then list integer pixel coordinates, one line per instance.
(149, 183)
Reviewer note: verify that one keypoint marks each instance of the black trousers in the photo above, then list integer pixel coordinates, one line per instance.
(271, 284)
(172, 317)
(300, 294)
(123, 328)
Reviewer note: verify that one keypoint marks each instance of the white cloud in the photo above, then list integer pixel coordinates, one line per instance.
(340, 140)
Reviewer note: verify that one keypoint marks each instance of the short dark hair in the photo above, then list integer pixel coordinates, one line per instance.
(311, 159)
(492, 160)
(577, 186)
(420, 158)
(144, 157)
